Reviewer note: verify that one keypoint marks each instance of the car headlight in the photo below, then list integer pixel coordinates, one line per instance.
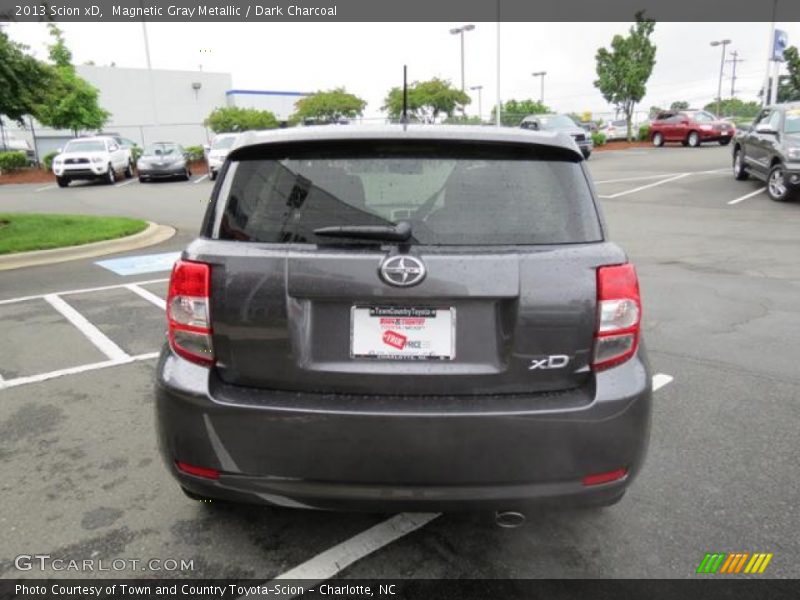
(57, 162)
(97, 159)
(793, 152)
(141, 164)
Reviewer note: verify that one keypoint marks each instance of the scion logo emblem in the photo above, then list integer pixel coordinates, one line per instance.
(402, 270)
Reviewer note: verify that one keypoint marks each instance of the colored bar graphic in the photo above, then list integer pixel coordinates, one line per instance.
(711, 562)
(734, 562)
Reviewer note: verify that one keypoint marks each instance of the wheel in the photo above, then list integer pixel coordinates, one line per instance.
(586, 154)
(776, 186)
(658, 139)
(111, 175)
(725, 142)
(129, 171)
(694, 139)
(186, 175)
(212, 175)
(738, 166)
(62, 181)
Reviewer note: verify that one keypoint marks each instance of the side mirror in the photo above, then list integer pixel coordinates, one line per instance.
(765, 129)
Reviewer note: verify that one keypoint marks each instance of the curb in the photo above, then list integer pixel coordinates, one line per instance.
(154, 234)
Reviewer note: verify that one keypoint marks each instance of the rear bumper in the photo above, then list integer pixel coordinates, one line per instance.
(384, 453)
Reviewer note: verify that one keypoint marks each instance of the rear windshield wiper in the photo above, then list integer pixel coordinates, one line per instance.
(397, 233)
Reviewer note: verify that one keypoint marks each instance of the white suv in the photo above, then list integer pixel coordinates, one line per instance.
(99, 157)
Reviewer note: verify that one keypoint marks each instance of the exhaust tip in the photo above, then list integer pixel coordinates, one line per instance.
(509, 519)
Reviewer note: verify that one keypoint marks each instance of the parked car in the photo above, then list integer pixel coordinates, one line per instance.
(10, 143)
(617, 130)
(589, 126)
(97, 157)
(690, 128)
(770, 151)
(404, 318)
(560, 123)
(163, 160)
(217, 151)
(128, 145)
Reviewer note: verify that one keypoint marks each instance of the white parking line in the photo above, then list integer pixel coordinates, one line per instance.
(47, 187)
(330, 563)
(93, 334)
(9, 383)
(646, 187)
(638, 178)
(147, 295)
(200, 179)
(81, 291)
(746, 196)
(130, 181)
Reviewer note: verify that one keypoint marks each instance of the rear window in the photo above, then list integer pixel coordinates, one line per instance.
(450, 196)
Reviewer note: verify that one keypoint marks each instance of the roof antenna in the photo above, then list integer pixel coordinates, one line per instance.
(404, 118)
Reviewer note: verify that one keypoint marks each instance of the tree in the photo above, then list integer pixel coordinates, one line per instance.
(679, 105)
(789, 84)
(426, 100)
(24, 81)
(72, 102)
(234, 118)
(733, 107)
(329, 107)
(622, 72)
(513, 111)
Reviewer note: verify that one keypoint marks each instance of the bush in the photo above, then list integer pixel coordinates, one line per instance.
(598, 138)
(644, 133)
(11, 161)
(194, 152)
(48, 159)
(136, 152)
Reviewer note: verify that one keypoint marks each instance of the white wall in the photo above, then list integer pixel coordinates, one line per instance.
(281, 104)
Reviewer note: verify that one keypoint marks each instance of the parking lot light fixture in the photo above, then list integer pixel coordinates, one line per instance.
(478, 88)
(460, 31)
(540, 74)
(722, 43)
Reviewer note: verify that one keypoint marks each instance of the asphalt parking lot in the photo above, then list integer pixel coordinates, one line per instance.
(81, 476)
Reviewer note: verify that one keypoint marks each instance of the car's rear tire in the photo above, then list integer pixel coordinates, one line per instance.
(111, 175)
(739, 172)
(725, 142)
(62, 181)
(693, 139)
(658, 139)
(776, 186)
(129, 171)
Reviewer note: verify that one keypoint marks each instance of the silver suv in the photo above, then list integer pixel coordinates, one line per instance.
(420, 318)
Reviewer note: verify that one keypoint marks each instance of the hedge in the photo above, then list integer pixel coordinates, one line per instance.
(11, 161)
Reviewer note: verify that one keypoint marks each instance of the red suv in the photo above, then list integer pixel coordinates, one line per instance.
(691, 128)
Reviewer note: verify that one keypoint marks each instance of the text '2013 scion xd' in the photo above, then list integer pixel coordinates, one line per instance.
(404, 318)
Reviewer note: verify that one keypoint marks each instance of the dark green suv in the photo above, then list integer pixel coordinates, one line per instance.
(770, 150)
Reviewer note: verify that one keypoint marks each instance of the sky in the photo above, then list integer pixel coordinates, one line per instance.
(368, 58)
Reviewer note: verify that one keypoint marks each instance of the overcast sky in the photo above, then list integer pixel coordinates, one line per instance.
(367, 58)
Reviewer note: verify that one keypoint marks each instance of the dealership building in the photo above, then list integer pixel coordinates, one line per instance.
(160, 105)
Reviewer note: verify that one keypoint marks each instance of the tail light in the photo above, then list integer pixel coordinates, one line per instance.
(619, 313)
(188, 317)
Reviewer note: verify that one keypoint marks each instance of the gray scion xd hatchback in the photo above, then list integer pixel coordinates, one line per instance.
(389, 318)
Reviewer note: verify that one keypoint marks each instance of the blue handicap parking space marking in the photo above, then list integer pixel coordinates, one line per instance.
(145, 263)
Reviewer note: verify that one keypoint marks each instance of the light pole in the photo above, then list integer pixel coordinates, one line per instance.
(722, 43)
(541, 92)
(478, 88)
(460, 31)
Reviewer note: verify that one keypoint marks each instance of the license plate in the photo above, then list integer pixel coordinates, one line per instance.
(402, 333)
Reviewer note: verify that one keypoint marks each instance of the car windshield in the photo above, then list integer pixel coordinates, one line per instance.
(222, 143)
(792, 124)
(85, 146)
(702, 117)
(161, 150)
(556, 122)
(486, 198)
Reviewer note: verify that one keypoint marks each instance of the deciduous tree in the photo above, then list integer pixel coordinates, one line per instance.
(328, 107)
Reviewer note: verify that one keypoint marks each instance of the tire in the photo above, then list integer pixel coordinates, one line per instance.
(725, 142)
(586, 155)
(776, 186)
(186, 175)
(212, 175)
(111, 176)
(739, 172)
(62, 181)
(693, 139)
(658, 139)
(129, 171)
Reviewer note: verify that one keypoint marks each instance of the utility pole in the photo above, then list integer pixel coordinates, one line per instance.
(735, 60)
(460, 32)
(722, 43)
(541, 75)
(478, 88)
